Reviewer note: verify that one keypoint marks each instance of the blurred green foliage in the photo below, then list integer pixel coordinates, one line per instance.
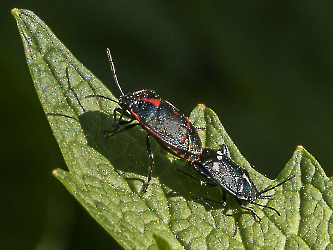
(264, 67)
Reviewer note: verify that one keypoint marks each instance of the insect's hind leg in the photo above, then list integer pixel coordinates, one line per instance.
(223, 202)
(204, 183)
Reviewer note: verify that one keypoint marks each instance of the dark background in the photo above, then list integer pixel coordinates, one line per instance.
(265, 67)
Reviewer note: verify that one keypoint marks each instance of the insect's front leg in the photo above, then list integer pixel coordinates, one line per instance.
(116, 124)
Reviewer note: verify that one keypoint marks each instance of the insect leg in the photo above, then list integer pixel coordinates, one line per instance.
(108, 134)
(223, 203)
(75, 94)
(116, 124)
(67, 116)
(225, 150)
(151, 155)
(254, 213)
(201, 181)
(272, 208)
(117, 129)
(224, 198)
(250, 210)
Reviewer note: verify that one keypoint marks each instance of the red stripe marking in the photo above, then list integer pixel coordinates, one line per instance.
(183, 138)
(155, 101)
(188, 123)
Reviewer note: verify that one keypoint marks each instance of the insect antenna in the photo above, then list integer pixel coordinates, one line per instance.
(114, 70)
(114, 77)
(269, 196)
(281, 183)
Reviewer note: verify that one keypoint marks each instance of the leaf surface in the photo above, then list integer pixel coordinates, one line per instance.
(107, 176)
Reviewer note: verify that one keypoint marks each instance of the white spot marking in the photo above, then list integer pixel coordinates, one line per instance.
(215, 166)
(246, 178)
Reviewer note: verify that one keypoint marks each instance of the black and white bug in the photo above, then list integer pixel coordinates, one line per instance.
(163, 121)
(220, 169)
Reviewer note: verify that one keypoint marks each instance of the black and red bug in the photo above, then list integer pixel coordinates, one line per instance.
(221, 170)
(171, 129)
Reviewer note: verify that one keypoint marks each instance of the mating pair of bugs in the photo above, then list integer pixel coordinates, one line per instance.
(174, 132)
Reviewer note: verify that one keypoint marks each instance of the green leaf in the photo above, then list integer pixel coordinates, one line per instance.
(107, 176)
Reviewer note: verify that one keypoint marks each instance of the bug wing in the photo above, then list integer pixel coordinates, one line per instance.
(171, 129)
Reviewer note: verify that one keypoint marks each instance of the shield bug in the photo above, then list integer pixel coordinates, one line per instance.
(171, 129)
(220, 169)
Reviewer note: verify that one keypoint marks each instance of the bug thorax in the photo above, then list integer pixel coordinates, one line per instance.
(133, 98)
(208, 155)
(127, 101)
